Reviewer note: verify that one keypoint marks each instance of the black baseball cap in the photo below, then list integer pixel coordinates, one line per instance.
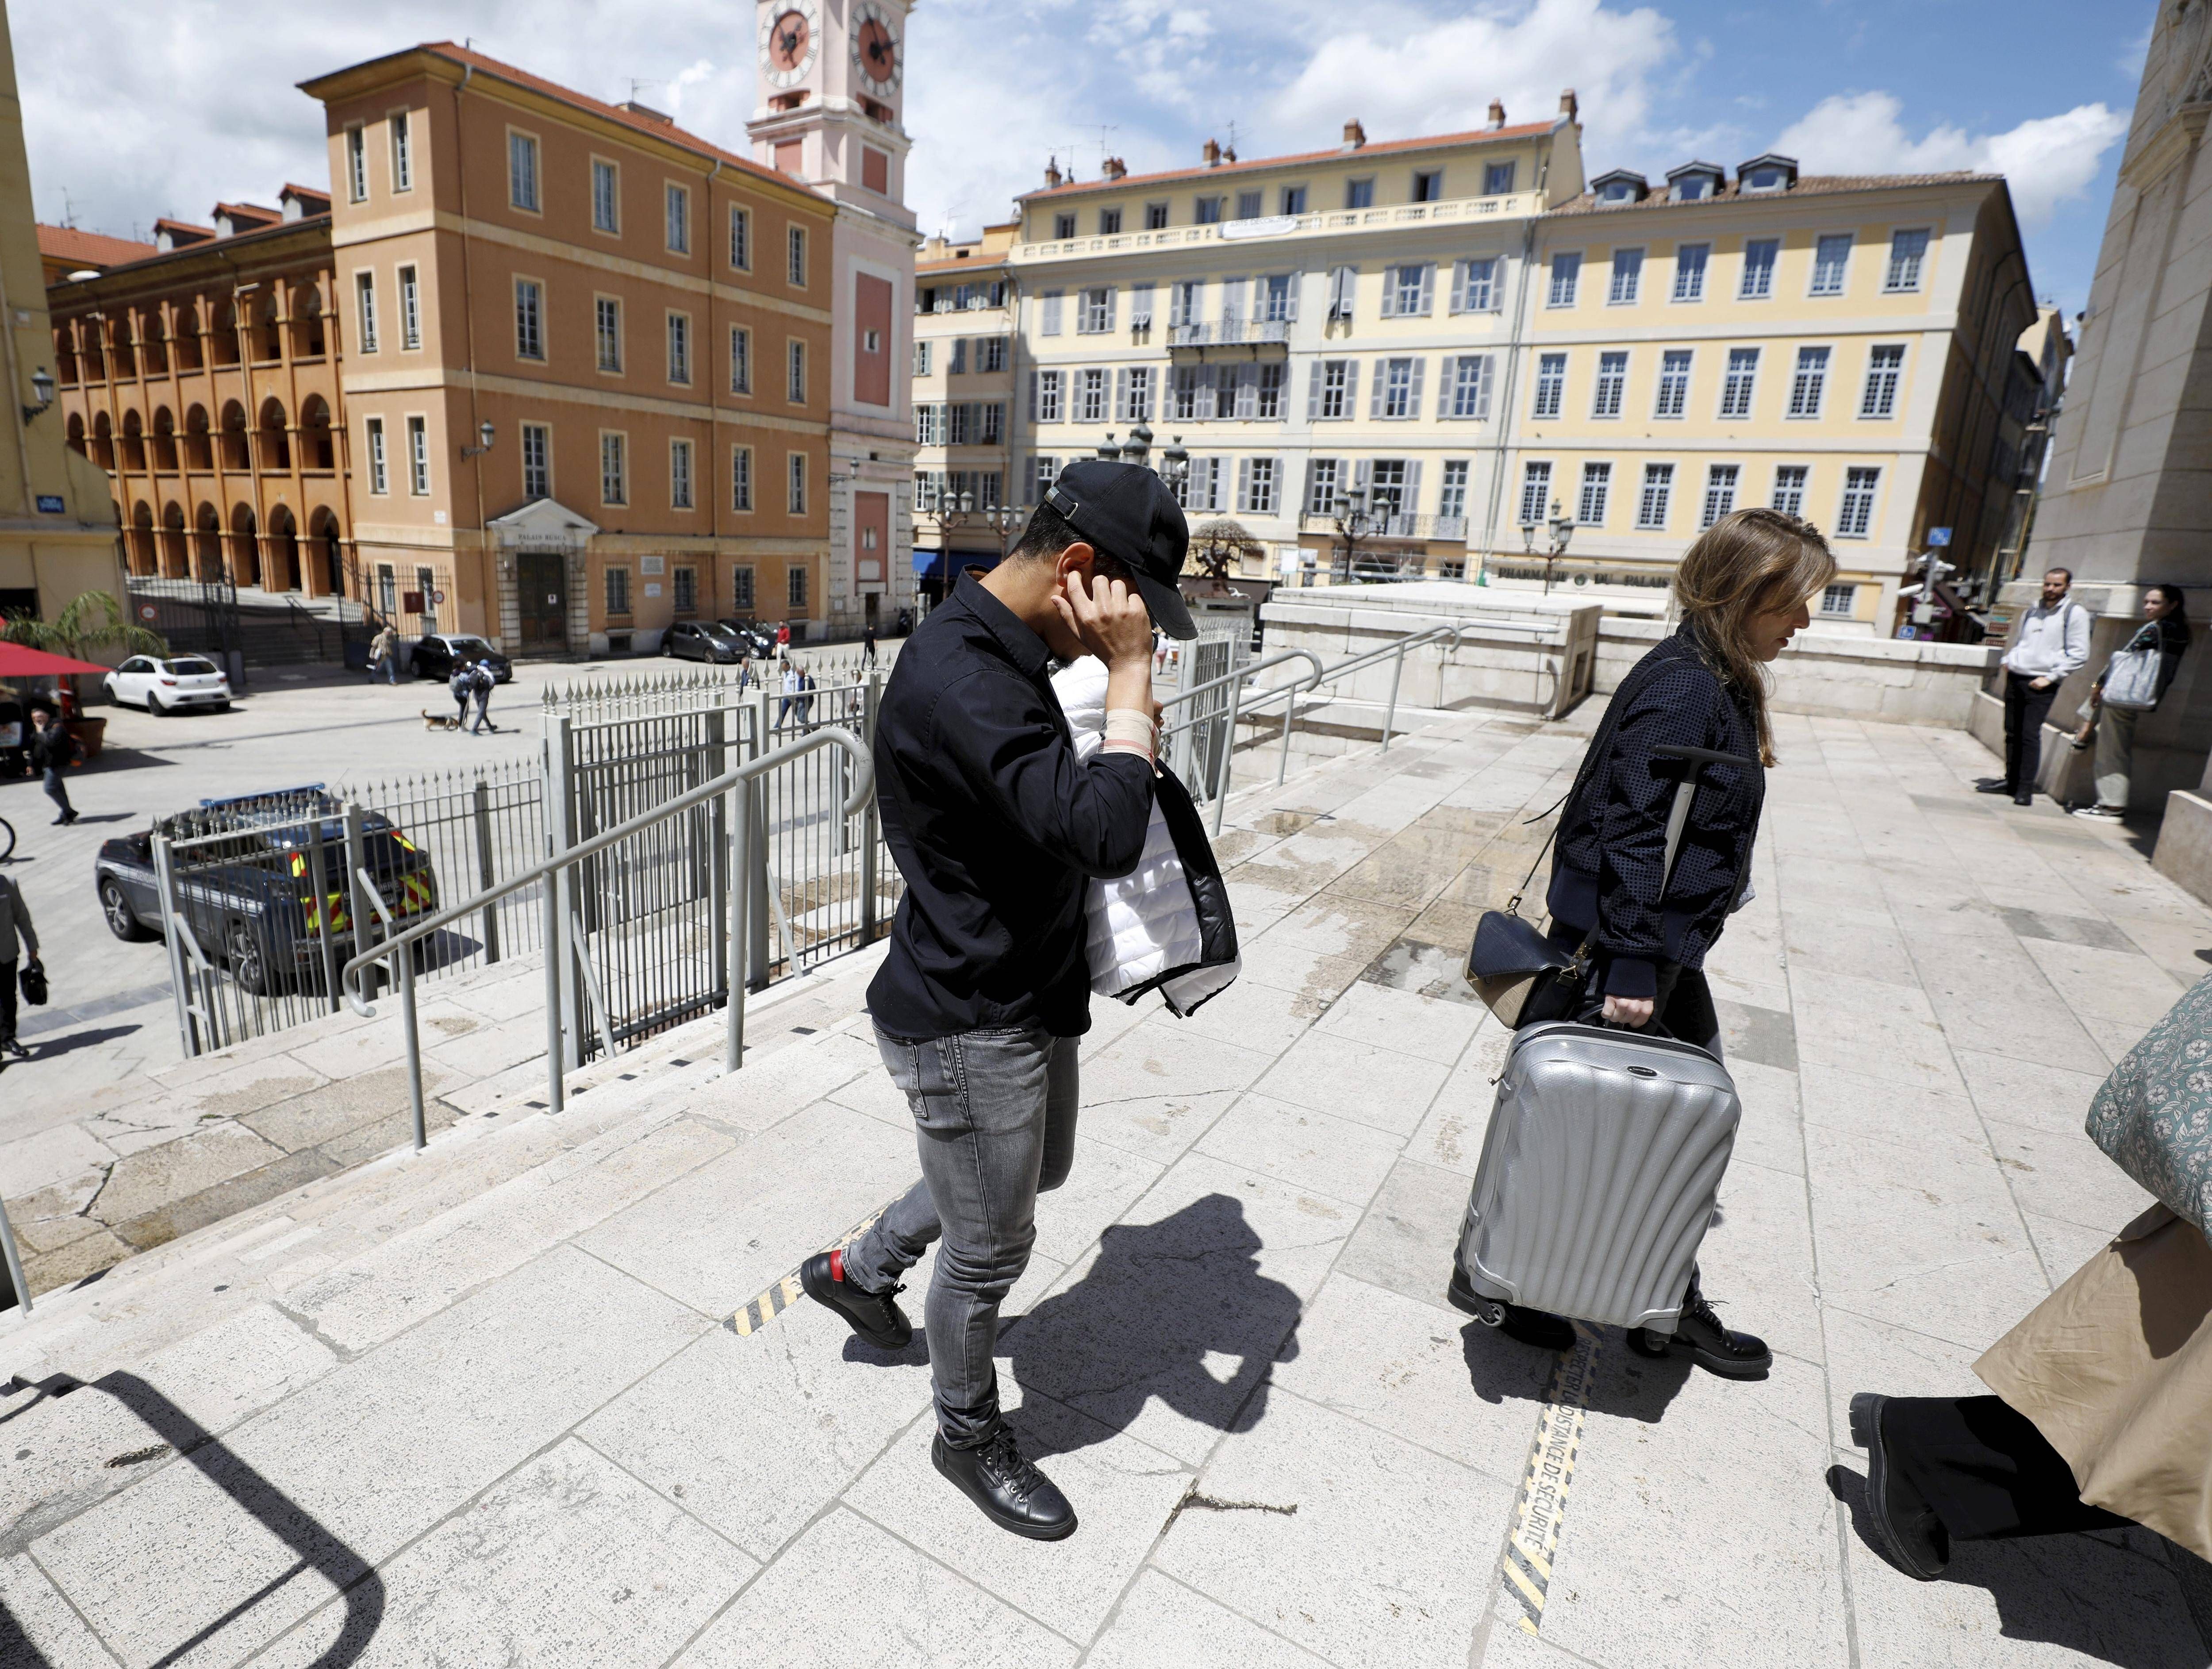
(1127, 511)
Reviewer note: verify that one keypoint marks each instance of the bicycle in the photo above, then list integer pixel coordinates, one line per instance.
(7, 839)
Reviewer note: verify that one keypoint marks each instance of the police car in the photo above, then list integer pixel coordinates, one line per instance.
(246, 882)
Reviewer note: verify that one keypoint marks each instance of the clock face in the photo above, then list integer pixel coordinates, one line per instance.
(876, 49)
(790, 40)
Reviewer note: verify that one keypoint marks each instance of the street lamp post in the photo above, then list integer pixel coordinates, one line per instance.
(1559, 530)
(1353, 521)
(957, 514)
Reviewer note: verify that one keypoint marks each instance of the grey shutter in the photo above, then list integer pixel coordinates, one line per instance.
(1413, 402)
(1121, 394)
(1282, 486)
(1141, 307)
(1033, 397)
(1389, 292)
(1350, 386)
(1244, 484)
(1313, 391)
(1458, 302)
(1307, 502)
(1363, 475)
(1343, 282)
(1428, 289)
(1375, 394)
(1205, 395)
(1112, 301)
(1414, 488)
(1297, 282)
(1482, 388)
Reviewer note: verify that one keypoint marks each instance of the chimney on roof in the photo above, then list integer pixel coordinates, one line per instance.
(1570, 106)
(1354, 135)
(646, 111)
(1051, 173)
(1212, 151)
(1498, 112)
(1229, 153)
(1113, 167)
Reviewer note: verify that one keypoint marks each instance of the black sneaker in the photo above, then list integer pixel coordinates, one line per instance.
(15, 1048)
(1995, 785)
(1902, 1527)
(1013, 1495)
(875, 1316)
(1699, 1335)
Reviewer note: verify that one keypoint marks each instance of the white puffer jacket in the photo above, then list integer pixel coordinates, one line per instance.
(1145, 930)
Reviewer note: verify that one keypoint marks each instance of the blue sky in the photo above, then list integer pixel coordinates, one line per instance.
(194, 102)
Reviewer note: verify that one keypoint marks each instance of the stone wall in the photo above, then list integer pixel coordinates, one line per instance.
(1837, 674)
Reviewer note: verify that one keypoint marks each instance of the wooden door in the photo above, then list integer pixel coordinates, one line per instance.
(541, 579)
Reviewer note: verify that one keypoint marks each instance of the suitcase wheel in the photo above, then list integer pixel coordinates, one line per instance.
(1645, 1343)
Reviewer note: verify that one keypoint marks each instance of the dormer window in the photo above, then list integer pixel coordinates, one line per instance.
(1694, 182)
(1621, 186)
(1770, 172)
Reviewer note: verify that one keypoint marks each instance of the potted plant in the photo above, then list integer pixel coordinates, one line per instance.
(93, 621)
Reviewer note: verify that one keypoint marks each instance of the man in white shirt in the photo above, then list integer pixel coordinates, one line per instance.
(2053, 640)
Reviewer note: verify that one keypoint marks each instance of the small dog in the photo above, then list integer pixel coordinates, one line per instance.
(434, 722)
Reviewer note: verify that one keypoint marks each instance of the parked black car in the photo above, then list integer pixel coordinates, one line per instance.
(246, 883)
(434, 656)
(709, 641)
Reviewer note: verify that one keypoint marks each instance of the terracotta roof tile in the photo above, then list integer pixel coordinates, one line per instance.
(1524, 131)
(67, 243)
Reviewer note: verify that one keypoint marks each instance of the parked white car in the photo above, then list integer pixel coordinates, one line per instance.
(164, 686)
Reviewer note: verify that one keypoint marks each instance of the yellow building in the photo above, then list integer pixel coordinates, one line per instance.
(58, 524)
(967, 359)
(1841, 348)
(1384, 359)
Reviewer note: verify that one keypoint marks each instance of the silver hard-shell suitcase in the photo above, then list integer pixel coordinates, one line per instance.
(1599, 1174)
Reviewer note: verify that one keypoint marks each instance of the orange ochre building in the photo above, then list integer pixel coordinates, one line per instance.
(536, 367)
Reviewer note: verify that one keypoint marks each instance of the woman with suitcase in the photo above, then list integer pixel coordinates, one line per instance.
(1695, 704)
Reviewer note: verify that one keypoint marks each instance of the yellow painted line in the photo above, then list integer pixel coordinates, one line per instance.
(1526, 1564)
(756, 1312)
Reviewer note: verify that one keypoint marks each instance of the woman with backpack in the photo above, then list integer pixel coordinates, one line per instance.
(1743, 589)
(2134, 681)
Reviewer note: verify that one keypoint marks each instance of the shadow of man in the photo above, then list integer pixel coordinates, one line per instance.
(1176, 1309)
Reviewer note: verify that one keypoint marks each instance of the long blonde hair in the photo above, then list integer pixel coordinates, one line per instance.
(1750, 562)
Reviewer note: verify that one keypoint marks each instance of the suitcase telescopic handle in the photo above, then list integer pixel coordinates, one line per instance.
(1678, 815)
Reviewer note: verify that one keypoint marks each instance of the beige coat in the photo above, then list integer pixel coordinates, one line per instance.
(2115, 1370)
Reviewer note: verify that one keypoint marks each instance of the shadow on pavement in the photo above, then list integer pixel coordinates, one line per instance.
(2069, 1590)
(1176, 1309)
(360, 1588)
(50, 1047)
(1622, 1383)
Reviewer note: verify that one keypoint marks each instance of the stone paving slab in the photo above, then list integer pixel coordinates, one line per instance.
(489, 1385)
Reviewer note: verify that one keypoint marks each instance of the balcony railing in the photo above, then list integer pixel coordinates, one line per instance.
(1227, 331)
(1330, 223)
(1451, 528)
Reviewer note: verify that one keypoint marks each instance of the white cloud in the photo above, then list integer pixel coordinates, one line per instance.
(2047, 160)
(1440, 77)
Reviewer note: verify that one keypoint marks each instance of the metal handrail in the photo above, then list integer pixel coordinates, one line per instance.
(739, 781)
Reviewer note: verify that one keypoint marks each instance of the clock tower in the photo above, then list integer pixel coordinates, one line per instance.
(833, 84)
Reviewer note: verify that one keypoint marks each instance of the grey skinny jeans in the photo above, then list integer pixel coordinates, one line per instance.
(995, 1118)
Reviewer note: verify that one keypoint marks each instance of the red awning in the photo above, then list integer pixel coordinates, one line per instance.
(21, 661)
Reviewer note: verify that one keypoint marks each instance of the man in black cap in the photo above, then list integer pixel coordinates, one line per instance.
(997, 826)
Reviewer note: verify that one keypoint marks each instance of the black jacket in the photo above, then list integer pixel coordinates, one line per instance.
(1613, 831)
(54, 749)
(996, 825)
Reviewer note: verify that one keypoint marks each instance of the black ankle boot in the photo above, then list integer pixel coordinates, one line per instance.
(1699, 1335)
(875, 1316)
(1013, 1495)
(1899, 1523)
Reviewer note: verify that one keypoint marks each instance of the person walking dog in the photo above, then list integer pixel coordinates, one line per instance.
(1744, 589)
(2134, 681)
(997, 826)
(16, 934)
(2053, 641)
(51, 749)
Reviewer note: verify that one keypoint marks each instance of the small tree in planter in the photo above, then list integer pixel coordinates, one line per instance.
(93, 621)
(1216, 548)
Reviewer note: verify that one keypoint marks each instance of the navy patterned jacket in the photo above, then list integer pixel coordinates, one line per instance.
(1613, 834)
